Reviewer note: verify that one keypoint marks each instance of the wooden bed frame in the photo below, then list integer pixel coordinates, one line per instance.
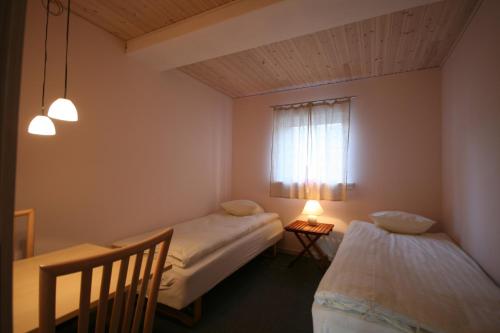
(189, 316)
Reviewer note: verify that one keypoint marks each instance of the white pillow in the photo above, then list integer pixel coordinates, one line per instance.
(401, 222)
(241, 207)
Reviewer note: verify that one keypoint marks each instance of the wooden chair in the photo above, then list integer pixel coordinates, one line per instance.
(127, 311)
(30, 229)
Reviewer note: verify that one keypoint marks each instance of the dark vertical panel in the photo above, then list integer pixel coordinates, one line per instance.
(12, 16)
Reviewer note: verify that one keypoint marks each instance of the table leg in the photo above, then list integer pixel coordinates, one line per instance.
(321, 254)
(306, 249)
(301, 252)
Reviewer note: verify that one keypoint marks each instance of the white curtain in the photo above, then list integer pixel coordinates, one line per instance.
(309, 153)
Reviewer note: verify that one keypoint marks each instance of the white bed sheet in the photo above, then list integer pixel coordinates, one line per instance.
(412, 283)
(327, 320)
(181, 286)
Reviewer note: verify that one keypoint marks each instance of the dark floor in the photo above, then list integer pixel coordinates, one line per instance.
(264, 296)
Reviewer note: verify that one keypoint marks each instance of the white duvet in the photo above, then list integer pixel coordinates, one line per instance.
(194, 239)
(411, 283)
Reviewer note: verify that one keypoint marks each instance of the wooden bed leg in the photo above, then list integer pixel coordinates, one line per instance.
(188, 319)
(197, 310)
(271, 251)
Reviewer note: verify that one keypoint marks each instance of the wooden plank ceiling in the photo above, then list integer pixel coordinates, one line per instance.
(127, 19)
(413, 39)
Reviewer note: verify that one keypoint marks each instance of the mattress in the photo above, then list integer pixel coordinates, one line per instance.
(181, 286)
(406, 283)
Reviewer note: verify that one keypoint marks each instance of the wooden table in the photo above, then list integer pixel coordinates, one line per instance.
(25, 285)
(311, 234)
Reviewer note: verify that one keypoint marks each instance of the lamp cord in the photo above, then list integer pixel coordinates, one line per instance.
(45, 59)
(67, 42)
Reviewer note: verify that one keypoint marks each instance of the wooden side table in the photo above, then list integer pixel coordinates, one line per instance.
(311, 233)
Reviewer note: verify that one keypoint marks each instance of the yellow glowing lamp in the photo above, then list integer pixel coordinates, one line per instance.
(312, 208)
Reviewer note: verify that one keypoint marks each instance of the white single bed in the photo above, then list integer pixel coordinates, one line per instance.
(386, 282)
(206, 250)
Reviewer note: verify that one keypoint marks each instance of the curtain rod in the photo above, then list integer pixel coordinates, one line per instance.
(315, 101)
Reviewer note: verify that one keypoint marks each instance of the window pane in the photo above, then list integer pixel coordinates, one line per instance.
(309, 150)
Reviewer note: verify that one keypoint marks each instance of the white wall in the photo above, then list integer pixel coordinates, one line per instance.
(394, 154)
(471, 139)
(150, 149)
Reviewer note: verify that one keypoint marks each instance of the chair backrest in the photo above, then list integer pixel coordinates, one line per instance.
(30, 230)
(127, 310)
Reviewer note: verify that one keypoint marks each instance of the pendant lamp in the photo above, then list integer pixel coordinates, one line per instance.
(41, 124)
(63, 108)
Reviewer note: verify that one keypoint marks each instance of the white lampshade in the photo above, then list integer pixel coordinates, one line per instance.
(41, 125)
(63, 109)
(312, 207)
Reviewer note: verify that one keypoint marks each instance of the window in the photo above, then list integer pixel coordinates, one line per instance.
(309, 154)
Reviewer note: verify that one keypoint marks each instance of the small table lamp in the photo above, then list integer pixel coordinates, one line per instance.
(313, 209)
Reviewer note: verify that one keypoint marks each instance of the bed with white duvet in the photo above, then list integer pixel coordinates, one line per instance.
(206, 250)
(386, 282)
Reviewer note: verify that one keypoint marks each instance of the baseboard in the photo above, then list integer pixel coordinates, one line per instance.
(289, 251)
(292, 252)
